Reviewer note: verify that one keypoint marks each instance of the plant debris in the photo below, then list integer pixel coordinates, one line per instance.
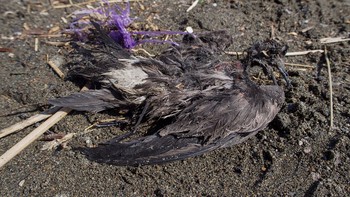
(116, 22)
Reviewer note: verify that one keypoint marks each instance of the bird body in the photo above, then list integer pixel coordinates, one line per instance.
(195, 102)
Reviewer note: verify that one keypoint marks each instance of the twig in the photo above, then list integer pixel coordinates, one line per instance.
(31, 137)
(50, 35)
(6, 50)
(333, 40)
(235, 53)
(54, 63)
(36, 45)
(299, 65)
(307, 29)
(32, 120)
(330, 88)
(35, 134)
(304, 52)
(288, 54)
(194, 4)
(144, 51)
(58, 44)
(55, 143)
(85, 3)
(272, 34)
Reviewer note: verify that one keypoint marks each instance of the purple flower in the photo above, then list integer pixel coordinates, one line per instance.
(115, 21)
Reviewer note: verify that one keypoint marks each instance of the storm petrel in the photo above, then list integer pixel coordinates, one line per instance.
(194, 102)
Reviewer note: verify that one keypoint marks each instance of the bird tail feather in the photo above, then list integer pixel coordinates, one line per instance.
(148, 150)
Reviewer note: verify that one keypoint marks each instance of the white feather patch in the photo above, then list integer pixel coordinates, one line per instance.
(128, 77)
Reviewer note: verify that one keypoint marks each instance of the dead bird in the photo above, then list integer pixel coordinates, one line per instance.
(195, 102)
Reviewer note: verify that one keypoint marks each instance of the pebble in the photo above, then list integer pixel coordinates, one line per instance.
(300, 143)
(21, 183)
(315, 176)
(88, 142)
(307, 149)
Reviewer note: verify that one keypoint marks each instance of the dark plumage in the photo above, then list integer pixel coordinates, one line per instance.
(195, 102)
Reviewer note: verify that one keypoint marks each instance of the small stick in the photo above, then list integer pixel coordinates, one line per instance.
(303, 52)
(299, 65)
(55, 143)
(31, 137)
(288, 54)
(144, 51)
(6, 50)
(36, 46)
(59, 44)
(32, 120)
(194, 4)
(85, 3)
(35, 134)
(333, 40)
(235, 53)
(307, 29)
(52, 64)
(50, 35)
(301, 69)
(330, 88)
(272, 35)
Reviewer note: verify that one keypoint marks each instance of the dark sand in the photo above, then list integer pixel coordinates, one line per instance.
(298, 155)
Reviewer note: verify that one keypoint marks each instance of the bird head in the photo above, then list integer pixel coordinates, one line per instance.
(268, 55)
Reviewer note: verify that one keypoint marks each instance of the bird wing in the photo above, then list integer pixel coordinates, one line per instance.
(219, 115)
(91, 100)
(153, 149)
(207, 124)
